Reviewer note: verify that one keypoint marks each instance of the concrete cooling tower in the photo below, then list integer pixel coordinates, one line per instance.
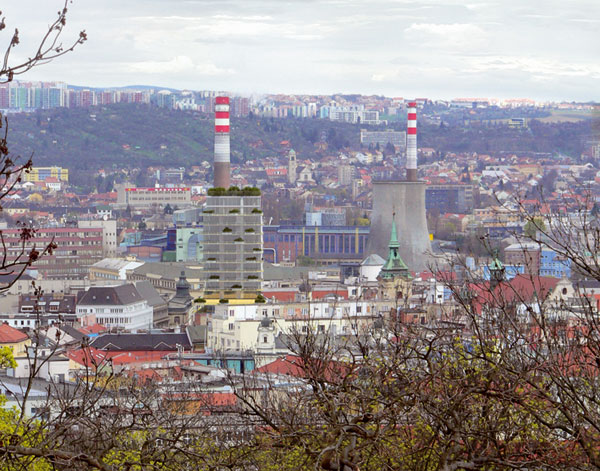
(407, 200)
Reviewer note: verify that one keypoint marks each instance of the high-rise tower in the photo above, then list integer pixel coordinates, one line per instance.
(222, 162)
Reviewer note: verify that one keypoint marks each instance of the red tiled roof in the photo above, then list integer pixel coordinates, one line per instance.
(281, 296)
(293, 365)
(92, 329)
(522, 288)
(290, 365)
(90, 356)
(319, 294)
(9, 334)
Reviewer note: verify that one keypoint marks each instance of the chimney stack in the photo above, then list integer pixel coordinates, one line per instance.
(411, 143)
(222, 161)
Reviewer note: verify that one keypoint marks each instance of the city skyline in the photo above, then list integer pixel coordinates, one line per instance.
(432, 49)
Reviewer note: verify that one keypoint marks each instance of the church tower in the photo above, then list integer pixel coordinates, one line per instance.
(497, 271)
(292, 167)
(395, 280)
(180, 306)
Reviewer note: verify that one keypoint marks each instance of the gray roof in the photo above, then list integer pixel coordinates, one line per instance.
(162, 341)
(73, 332)
(110, 295)
(168, 270)
(373, 260)
(113, 263)
(272, 272)
(149, 293)
(587, 284)
(196, 333)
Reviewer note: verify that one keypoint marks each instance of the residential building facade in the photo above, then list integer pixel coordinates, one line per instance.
(119, 307)
(233, 245)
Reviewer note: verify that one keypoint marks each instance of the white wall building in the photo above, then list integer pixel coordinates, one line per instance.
(115, 307)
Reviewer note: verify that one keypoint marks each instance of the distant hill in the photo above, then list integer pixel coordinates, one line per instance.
(140, 135)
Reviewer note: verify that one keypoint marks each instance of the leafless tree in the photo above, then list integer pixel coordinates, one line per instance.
(12, 167)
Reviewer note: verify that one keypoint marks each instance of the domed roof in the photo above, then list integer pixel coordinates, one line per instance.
(265, 322)
(373, 260)
(182, 283)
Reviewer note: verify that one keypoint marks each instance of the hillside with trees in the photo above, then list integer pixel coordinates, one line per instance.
(140, 135)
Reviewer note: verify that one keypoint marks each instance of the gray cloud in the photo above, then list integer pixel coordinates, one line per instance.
(436, 48)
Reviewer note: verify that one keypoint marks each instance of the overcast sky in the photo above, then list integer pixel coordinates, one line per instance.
(542, 49)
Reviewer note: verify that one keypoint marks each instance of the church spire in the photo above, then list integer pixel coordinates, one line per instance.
(394, 265)
(394, 237)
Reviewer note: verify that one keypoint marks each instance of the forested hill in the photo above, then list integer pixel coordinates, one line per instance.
(140, 135)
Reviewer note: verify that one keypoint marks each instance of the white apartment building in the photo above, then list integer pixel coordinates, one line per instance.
(115, 307)
(239, 327)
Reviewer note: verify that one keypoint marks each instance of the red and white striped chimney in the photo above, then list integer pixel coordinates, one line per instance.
(411, 143)
(222, 150)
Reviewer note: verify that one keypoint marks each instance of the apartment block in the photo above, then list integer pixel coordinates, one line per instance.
(145, 198)
(40, 174)
(233, 245)
(383, 138)
(77, 249)
(449, 198)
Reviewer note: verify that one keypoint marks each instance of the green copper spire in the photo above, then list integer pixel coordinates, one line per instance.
(497, 271)
(394, 265)
(394, 238)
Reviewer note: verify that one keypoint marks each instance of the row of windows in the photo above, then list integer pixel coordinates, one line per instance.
(159, 198)
(114, 320)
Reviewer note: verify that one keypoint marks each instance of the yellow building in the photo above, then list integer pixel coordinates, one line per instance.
(40, 174)
(14, 339)
(16, 211)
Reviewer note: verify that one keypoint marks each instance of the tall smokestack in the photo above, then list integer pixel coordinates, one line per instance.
(411, 143)
(222, 165)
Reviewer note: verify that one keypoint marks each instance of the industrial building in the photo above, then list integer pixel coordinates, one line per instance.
(328, 244)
